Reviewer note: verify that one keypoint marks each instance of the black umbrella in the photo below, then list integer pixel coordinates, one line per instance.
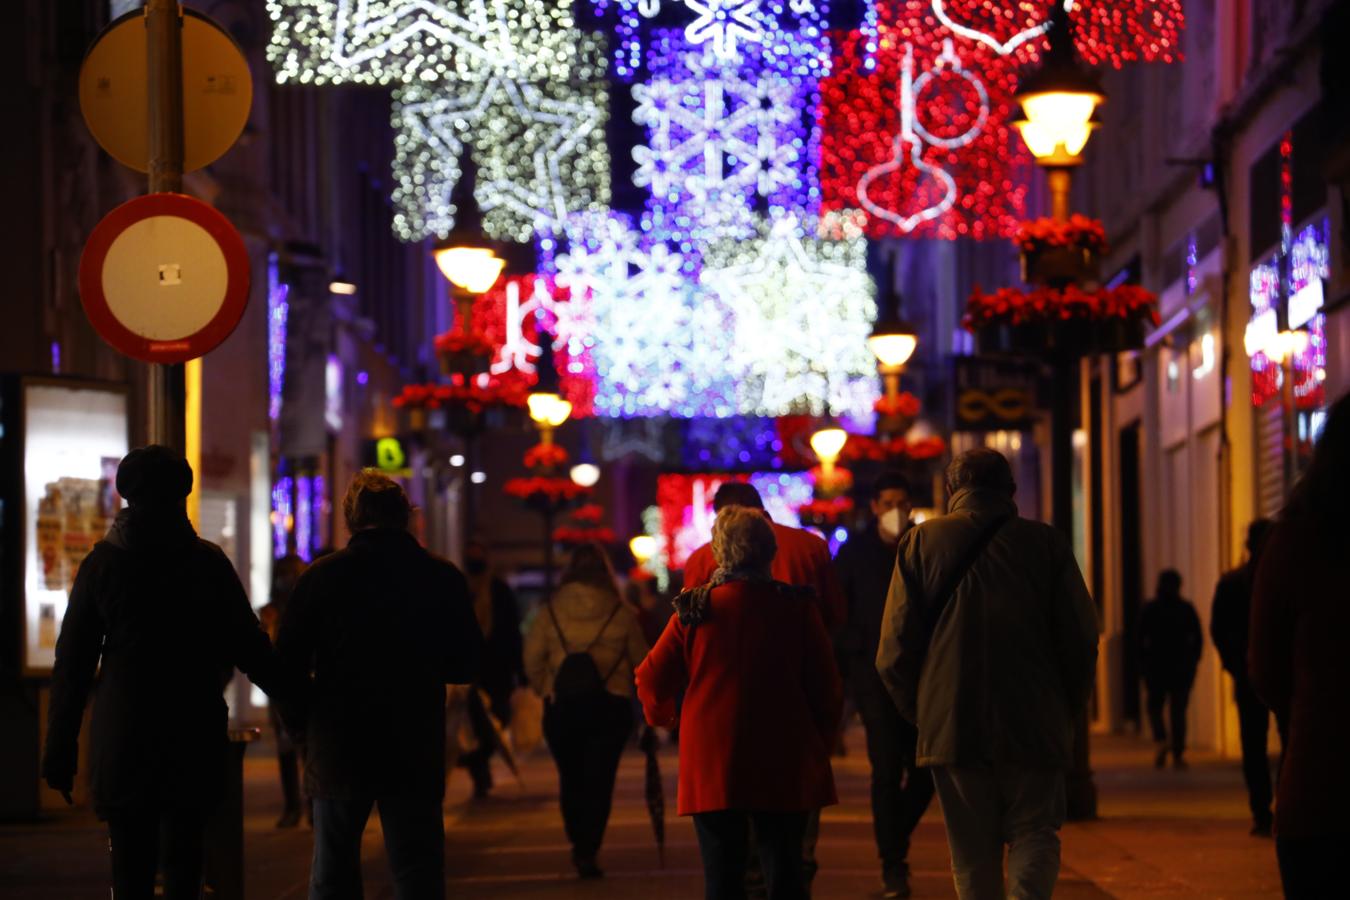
(655, 793)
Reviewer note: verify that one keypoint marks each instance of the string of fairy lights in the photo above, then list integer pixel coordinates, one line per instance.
(773, 143)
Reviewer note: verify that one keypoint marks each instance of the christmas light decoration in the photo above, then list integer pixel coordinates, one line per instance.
(722, 23)
(686, 514)
(405, 41)
(722, 134)
(920, 141)
(801, 310)
(278, 308)
(539, 147)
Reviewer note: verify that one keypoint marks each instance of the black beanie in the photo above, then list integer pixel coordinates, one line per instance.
(154, 475)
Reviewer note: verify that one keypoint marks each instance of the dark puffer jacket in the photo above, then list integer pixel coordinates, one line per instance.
(165, 614)
(384, 626)
(998, 672)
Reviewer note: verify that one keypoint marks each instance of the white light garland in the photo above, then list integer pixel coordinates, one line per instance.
(540, 149)
(1003, 48)
(802, 309)
(393, 41)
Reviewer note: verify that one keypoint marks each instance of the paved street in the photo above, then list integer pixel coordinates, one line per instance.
(1169, 834)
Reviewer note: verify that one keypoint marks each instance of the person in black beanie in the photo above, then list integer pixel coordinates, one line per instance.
(164, 615)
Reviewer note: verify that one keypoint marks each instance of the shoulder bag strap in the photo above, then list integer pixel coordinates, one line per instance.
(610, 618)
(562, 639)
(958, 573)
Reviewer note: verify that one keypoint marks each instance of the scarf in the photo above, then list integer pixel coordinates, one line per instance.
(691, 606)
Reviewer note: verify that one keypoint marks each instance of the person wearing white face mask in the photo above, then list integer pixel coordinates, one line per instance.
(900, 791)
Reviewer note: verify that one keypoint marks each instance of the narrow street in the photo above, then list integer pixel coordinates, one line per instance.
(1162, 834)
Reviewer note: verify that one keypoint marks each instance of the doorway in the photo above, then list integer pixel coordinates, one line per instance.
(1131, 565)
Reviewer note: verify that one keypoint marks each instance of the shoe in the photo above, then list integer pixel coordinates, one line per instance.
(1262, 830)
(896, 883)
(587, 870)
(1160, 761)
(289, 819)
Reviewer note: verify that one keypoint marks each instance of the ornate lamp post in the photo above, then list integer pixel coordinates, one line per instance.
(827, 443)
(892, 342)
(548, 411)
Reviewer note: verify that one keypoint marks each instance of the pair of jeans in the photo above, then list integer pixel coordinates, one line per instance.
(1176, 694)
(991, 807)
(140, 837)
(414, 842)
(724, 842)
(1254, 726)
(587, 738)
(1311, 868)
(901, 791)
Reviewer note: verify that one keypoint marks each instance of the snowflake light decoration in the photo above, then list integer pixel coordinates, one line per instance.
(724, 23)
(725, 138)
(655, 343)
(802, 309)
(540, 149)
(401, 41)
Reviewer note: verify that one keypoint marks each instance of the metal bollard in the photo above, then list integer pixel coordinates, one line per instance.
(224, 862)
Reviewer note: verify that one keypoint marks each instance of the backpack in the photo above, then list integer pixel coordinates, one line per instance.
(578, 677)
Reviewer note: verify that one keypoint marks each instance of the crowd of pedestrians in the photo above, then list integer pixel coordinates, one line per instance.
(967, 644)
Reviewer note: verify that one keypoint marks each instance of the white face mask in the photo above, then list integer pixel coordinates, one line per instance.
(891, 524)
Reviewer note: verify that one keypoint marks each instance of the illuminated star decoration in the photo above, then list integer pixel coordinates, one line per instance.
(720, 136)
(540, 150)
(802, 310)
(657, 347)
(722, 23)
(399, 41)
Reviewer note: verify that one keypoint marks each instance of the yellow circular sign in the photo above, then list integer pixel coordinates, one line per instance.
(217, 91)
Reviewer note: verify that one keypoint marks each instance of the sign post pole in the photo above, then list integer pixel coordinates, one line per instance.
(164, 93)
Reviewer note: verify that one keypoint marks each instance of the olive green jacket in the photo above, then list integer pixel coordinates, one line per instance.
(999, 671)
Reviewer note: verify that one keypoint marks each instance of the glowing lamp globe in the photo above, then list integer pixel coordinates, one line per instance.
(1058, 100)
(473, 269)
(643, 548)
(585, 474)
(548, 409)
(828, 443)
(892, 342)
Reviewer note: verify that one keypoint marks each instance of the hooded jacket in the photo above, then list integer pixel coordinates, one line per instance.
(165, 615)
(997, 672)
(581, 609)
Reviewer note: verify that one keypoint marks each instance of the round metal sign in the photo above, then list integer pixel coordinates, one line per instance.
(164, 278)
(217, 91)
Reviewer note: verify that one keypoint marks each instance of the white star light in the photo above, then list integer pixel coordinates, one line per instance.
(723, 23)
(540, 150)
(393, 41)
(802, 311)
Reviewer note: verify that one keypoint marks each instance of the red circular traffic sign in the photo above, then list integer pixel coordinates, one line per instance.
(164, 278)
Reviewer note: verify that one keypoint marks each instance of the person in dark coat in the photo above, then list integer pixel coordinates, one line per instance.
(989, 646)
(384, 626)
(901, 791)
(762, 700)
(1170, 641)
(1300, 668)
(286, 571)
(1229, 626)
(501, 669)
(161, 617)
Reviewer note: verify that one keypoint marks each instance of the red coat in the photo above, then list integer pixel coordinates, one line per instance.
(761, 706)
(803, 559)
(1299, 666)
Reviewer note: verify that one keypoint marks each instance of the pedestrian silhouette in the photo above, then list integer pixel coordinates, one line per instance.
(1229, 627)
(988, 645)
(383, 626)
(162, 618)
(901, 791)
(1300, 667)
(286, 571)
(579, 656)
(1170, 642)
(761, 707)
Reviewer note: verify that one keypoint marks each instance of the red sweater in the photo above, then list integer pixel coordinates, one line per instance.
(761, 706)
(803, 560)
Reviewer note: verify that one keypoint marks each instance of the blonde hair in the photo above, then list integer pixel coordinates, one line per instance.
(743, 540)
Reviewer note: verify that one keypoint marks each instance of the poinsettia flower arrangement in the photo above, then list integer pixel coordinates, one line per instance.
(591, 513)
(554, 490)
(862, 447)
(1013, 306)
(903, 404)
(472, 394)
(840, 479)
(1078, 231)
(825, 513)
(458, 340)
(575, 534)
(545, 456)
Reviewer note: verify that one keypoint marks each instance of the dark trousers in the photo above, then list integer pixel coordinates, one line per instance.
(1311, 868)
(901, 792)
(479, 760)
(724, 842)
(587, 739)
(1254, 726)
(1176, 694)
(414, 842)
(139, 838)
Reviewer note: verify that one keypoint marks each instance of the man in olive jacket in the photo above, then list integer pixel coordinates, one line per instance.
(988, 645)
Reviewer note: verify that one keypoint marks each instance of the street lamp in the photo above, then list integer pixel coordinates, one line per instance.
(827, 443)
(1058, 100)
(470, 268)
(643, 548)
(892, 342)
(585, 474)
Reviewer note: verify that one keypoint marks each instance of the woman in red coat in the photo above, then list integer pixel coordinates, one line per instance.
(1299, 666)
(761, 705)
